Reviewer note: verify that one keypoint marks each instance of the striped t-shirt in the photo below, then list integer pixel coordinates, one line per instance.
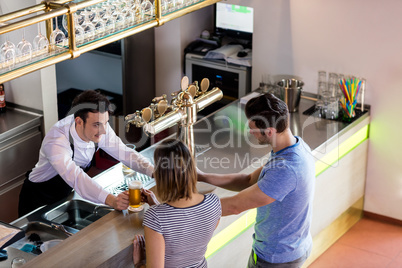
(186, 231)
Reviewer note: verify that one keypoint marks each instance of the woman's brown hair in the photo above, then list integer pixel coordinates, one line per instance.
(175, 172)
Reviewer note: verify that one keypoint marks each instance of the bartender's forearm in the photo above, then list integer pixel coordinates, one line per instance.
(110, 200)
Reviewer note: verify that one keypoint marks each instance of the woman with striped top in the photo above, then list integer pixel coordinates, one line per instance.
(178, 230)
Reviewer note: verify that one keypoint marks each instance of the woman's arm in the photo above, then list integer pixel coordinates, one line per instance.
(154, 248)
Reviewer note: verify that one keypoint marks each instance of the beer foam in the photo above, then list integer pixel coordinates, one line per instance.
(135, 185)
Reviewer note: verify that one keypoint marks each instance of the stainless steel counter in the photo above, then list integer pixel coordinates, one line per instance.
(20, 140)
(17, 120)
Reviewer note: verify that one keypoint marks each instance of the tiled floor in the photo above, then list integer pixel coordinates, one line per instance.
(369, 243)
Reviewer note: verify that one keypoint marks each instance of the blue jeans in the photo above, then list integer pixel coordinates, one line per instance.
(264, 264)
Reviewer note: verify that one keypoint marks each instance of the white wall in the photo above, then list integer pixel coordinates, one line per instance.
(356, 37)
(170, 42)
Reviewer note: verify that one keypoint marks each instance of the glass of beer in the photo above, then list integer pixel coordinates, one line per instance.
(134, 189)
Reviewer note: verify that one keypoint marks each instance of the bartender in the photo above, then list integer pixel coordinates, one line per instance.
(67, 152)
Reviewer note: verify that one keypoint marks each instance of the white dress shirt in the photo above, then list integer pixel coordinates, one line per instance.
(55, 157)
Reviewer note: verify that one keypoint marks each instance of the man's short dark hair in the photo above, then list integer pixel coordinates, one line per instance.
(268, 111)
(90, 101)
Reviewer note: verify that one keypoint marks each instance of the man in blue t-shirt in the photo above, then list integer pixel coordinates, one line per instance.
(282, 190)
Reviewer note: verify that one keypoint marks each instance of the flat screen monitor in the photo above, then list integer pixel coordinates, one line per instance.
(234, 21)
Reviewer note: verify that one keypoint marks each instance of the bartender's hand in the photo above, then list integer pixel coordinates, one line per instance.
(119, 202)
(149, 197)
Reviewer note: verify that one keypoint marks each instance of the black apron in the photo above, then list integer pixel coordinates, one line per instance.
(36, 194)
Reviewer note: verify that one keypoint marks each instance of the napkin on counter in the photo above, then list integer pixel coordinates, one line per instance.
(6, 233)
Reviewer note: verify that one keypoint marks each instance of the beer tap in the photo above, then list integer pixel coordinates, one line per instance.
(182, 111)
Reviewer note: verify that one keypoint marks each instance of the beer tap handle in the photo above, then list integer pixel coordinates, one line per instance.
(204, 85)
(135, 119)
(146, 114)
(158, 99)
(130, 116)
(192, 90)
(184, 83)
(162, 107)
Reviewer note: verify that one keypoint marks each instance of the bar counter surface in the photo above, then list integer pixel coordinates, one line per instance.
(223, 145)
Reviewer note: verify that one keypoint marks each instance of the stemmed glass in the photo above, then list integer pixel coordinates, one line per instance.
(180, 4)
(128, 14)
(168, 6)
(24, 49)
(108, 19)
(40, 43)
(7, 51)
(57, 37)
(137, 10)
(98, 23)
(147, 9)
(89, 28)
(79, 31)
(117, 15)
(78, 18)
(189, 2)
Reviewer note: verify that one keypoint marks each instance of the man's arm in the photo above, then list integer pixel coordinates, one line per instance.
(234, 182)
(249, 198)
(115, 147)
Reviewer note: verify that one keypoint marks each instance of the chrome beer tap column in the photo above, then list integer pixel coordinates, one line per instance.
(182, 111)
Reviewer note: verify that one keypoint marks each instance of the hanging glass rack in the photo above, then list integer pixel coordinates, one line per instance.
(72, 47)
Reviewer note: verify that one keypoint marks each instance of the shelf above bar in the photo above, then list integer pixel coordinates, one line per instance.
(73, 51)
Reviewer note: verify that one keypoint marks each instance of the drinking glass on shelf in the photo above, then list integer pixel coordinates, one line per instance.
(168, 6)
(79, 31)
(57, 37)
(91, 12)
(88, 27)
(78, 18)
(24, 49)
(7, 53)
(128, 15)
(137, 10)
(40, 43)
(117, 15)
(98, 23)
(189, 2)
(180, 4)
(147, 10)
(108, 19)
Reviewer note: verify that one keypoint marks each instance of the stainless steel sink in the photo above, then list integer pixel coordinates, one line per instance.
(76, 214)
(45, 231)
(39, 232)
